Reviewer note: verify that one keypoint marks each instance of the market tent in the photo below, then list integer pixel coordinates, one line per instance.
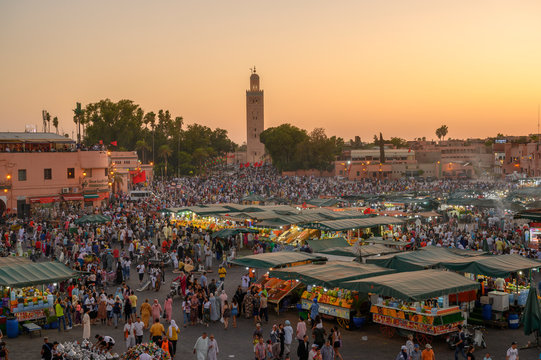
(531, 317)
(13, 260)
(379, 240)
(276, 259)
(225, 233)
(93, 219)
(331, 274)
(495, 265)
(253, 197)
(35, 274)
(322, 244)
(365, 250)
(427, 257)
(413, 286)
(350, 224)
(464, 252)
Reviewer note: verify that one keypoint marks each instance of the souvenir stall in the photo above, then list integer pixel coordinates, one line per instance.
(323, 282)
(416, 302)
(277, 289)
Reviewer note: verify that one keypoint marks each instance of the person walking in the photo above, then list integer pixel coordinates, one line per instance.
(327, 351)
(138, 327)
(460, 344)
(304, 348)
(512, 352)
(226, 313)
(59, 311)
(201, 347)
(213, 348)
(146, 311)
(129, 334)
(172, 335)
(86, 324)
(168, 308)
(156, 331)
(336, 341)
(301, 330)
(288, 337)
(428, 353)
(156, 310)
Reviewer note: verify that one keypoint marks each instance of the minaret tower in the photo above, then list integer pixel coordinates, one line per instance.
(255, 150)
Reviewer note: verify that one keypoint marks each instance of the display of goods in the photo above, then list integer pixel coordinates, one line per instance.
(335, 297)
(79, 351)
(153, 350)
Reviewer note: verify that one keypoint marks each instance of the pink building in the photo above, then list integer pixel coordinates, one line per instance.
(519, 159)
(45, 170)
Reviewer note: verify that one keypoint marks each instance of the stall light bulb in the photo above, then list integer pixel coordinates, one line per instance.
(247, 268)
(324, 289)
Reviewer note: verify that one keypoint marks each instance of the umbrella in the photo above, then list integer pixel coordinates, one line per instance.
(531, 317)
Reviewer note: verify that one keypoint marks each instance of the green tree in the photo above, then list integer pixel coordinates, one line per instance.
(281, 144)
(165, 152)
(400, 143)
(143, 147)
(55, 123)
(48, 117)
(442, 131)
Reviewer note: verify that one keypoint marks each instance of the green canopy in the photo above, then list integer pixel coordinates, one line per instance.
(331, 274)
(379, 240)
(276, 259)
(350, 224)
(35, 274)
(495, 266)
(531, 317)
(253, 197)
(225, 233)
(93, 219)
(413, 286)
(366, 250)
(322, 244)
(427, 257)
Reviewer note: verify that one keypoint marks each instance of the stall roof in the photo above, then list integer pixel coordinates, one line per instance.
(323, 244)
(331, 274)
(424, 258)
(13, 260)
(35, 274)
(496, 265)
(350, 224)
(413, 286)
(379, 240)
(225, 233)
(353, 251)
(276, 259)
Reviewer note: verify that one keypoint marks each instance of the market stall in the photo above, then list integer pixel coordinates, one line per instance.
(415, 301)
(22, 295)
(324, 283)
(277, 289)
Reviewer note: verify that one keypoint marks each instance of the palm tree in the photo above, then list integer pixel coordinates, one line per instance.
(165, 152)
(442, 131)
(55, 123)
(142, 146)
(48, 122)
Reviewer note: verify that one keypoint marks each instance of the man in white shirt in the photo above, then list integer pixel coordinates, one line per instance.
(512, 352)
(138, 327)
(129, 331)
(141, 272)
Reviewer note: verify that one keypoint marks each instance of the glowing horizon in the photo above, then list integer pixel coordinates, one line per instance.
(353, 68)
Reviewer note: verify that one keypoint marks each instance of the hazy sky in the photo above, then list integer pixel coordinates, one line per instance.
(352, 67)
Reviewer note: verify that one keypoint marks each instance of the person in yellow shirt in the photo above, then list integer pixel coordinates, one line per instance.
(133, 301)
(222, 272)
(59, 311)
(172, 335)
(156, 331)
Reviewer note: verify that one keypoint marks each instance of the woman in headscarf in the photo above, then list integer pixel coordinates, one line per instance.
(156, 310)
(215, 312)
(146, 311)
(86, 325)
(172, 335)
(168, 308)
(102, 309)
(223, 298)
(118, 294)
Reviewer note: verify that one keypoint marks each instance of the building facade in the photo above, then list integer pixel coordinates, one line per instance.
(44, 169)
(255, 124)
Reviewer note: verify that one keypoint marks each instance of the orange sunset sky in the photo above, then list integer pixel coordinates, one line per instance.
(351, 67)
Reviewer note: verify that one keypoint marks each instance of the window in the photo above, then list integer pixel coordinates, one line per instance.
(47, 174)
(106, 172)
(88, 173)
(71, 173)
(22, 174)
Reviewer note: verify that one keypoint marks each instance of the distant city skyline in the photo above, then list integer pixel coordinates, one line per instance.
(353, 68)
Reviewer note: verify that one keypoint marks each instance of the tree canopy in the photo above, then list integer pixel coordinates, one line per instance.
(156, 136)
(292, 148)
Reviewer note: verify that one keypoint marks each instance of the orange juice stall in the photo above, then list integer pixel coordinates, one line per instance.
(415, 301)
(277, 289)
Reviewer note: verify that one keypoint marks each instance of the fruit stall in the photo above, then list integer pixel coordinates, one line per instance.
(415, 301)
(27, 287)
(324, 281)
(277, 289)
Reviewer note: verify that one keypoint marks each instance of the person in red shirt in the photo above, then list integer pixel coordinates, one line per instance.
(116, 253)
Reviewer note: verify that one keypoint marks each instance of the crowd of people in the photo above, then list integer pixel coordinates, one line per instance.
(141, 240)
